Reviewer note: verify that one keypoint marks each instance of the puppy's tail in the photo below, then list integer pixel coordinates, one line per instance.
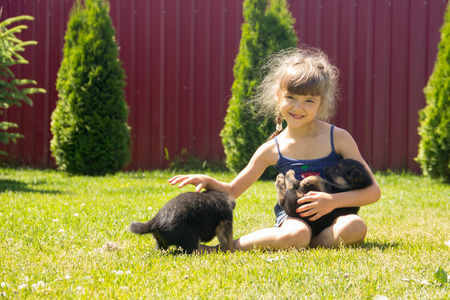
(141, 228)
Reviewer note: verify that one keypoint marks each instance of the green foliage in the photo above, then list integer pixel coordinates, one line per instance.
(441, 276)
(90, 133)
(268, 28)
(13, 90)
(434, 129)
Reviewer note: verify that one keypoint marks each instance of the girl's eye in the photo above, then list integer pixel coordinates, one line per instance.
(290, 98)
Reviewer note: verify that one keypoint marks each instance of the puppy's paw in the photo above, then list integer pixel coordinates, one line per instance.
(280, 186)
(310, 180)
(290, 180)
(279, 182)
(224, 232)
(312, 183)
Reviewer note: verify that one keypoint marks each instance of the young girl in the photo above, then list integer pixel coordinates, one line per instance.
(300, 88)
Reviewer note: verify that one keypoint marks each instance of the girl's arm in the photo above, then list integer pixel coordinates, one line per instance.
(265, 156)
(323, 203)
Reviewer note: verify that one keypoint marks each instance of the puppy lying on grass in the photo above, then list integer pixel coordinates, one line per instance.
(347, 175)
(191, 218)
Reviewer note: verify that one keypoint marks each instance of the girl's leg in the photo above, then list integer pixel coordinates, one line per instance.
(349, 230)
(293, 233)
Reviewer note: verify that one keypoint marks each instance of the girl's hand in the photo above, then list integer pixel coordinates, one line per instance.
(200, 181)
(319, 205)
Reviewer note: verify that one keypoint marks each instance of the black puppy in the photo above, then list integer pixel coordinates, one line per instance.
(347, 175)
(191, 218)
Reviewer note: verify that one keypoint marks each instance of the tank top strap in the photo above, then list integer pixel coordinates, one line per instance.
(278, 146)
(332, 139)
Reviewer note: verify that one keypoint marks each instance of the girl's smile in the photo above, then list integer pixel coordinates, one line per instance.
(296, 116)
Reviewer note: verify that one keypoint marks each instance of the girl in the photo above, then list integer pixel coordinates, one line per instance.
(301, 89)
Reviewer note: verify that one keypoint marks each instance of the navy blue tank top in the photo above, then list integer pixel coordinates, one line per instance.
(305, 168)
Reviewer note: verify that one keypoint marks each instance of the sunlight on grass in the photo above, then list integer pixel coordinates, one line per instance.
(66, 237)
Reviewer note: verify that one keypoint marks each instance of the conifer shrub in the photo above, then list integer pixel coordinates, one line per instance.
(434, 129)
(13, 91)
(267, 28)
(89, 124)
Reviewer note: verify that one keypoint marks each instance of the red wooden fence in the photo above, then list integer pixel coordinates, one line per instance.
(178, 56)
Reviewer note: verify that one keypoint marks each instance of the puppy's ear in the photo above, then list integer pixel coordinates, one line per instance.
(356, 174)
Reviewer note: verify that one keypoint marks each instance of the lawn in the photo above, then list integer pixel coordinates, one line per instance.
(66, 237)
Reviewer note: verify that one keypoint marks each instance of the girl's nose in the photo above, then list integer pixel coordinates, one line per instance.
(298, 105)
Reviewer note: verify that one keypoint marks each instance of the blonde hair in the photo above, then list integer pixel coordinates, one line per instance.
(300, 71)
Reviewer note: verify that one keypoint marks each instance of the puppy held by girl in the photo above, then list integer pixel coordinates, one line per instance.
(347, 175)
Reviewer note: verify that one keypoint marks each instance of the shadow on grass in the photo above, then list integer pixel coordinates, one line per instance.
(19, 186)
(380, 246)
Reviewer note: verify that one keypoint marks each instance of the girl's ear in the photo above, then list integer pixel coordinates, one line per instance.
(277, 96)
(322, 104)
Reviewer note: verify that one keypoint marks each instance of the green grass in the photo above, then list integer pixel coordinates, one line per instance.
(56, 228)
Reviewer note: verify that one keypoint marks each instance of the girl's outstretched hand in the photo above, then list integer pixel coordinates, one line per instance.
(319, 205)
(200, 181)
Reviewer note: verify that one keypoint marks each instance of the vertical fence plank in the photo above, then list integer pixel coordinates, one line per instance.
(398, 91)
(417, 74)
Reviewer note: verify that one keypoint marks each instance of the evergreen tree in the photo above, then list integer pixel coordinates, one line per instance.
(13, 90)
(434, 129)
(267, 28)
(90, 133)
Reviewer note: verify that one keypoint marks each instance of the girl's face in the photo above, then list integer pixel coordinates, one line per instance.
(298, 110)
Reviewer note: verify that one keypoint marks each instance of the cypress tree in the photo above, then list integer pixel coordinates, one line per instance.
(90, 133)
(434, 129)
(267, 28)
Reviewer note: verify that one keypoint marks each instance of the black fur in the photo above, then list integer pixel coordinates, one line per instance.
(347, 175)
(191, 218)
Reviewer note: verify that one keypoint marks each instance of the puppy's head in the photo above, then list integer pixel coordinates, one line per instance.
(348, 173)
